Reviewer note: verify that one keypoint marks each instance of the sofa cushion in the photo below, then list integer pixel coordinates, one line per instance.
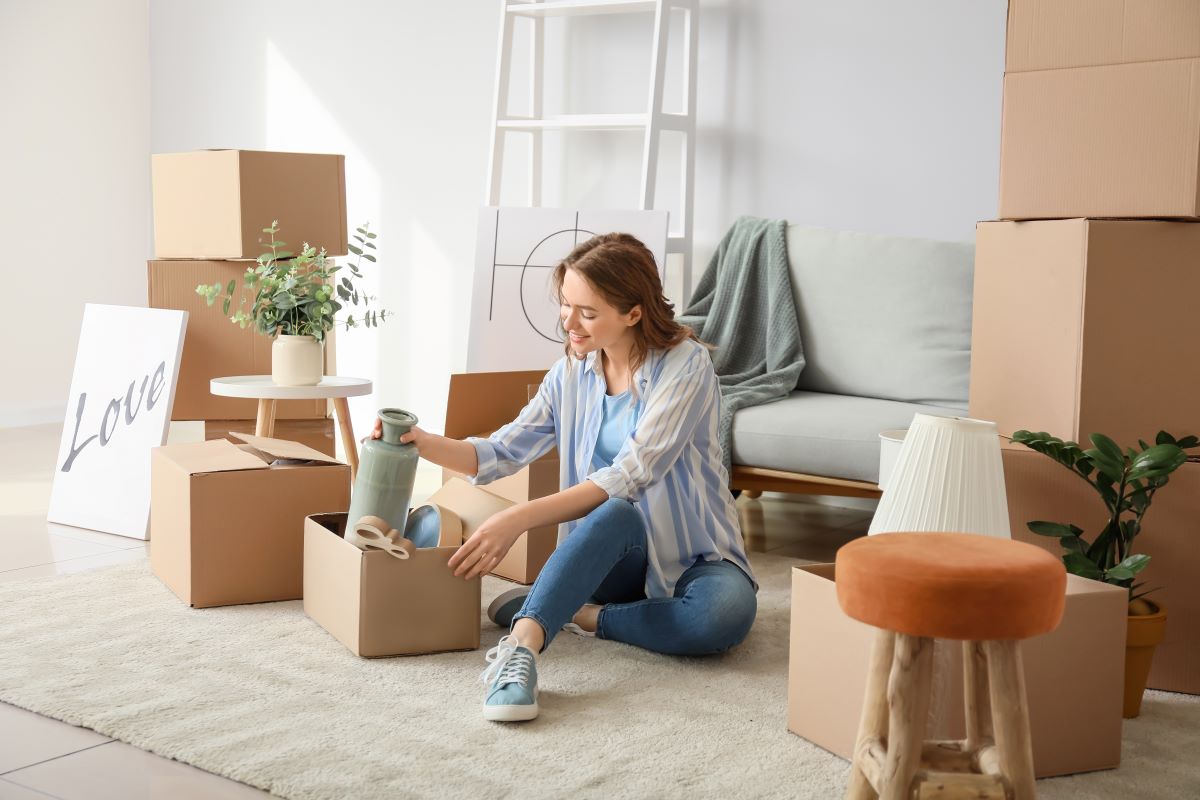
(883, 316)
(836, 436)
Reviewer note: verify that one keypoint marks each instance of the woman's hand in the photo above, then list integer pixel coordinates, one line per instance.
(415, 434)
(489, 544)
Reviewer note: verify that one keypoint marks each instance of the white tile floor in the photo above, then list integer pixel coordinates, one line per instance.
(41, 757)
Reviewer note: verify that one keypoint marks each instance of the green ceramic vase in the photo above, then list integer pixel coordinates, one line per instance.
(386, 470)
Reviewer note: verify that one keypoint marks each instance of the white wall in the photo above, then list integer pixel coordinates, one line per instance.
(857, 114)
(75, 180)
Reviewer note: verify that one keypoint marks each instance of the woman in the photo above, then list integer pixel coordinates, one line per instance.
(653, 554)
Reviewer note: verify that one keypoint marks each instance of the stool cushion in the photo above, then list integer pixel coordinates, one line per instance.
(951, 585)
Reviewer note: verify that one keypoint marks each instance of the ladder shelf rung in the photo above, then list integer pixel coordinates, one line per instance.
(563, 8)
(576, 121)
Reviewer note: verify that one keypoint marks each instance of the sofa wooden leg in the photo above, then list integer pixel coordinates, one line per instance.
(753, 494)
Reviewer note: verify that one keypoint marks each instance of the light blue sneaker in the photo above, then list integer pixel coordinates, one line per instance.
(511, 678)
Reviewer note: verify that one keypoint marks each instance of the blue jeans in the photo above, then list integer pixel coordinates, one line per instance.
(604, 561)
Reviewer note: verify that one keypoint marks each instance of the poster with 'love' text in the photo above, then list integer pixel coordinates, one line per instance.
(119, 408)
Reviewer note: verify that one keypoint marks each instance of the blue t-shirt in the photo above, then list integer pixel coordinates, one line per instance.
(617, 419)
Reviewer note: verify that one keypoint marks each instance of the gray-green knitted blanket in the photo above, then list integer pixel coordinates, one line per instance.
(744, 305)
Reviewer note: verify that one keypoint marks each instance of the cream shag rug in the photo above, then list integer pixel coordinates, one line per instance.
(262, 695)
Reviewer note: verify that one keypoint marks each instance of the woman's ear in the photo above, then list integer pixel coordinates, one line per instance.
(633, 316)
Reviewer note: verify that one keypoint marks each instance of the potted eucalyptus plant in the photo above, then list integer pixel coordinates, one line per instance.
(296, 301)
(1126, 481)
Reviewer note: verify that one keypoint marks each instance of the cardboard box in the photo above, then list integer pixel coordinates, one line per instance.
(1083, 326)
(1073, 676)
(1108, 141)
(479, 403)
(1040, 489)
(1058, 34)
(215, 203)
(213, 347)
(315, 433)
(378, 605)
(227, 525)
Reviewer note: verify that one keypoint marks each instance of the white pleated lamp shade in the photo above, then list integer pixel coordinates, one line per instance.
(948, 476)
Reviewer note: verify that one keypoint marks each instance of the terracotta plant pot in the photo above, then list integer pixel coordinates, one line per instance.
(1143, 633)
(297, 361)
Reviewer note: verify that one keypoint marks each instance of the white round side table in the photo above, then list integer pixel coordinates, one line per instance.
(331, 387)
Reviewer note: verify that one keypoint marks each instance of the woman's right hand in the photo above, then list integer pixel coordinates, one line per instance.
(415, 435)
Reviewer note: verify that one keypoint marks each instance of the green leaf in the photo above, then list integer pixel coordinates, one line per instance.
(370, 245)
(225, 307)
(1072, 544)
(1108, 447)
(1077, 564)
(356, 250)
(369, 257)
(1134, 564)
(1053, 529)
(231, 287)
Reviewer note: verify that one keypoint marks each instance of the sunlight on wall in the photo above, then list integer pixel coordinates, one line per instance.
(297, 120)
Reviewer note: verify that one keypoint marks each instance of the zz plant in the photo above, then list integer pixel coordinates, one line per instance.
(1127, 482)
(295, 294)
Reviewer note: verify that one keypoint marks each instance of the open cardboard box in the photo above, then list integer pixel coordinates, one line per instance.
(227, 524)
(1073, 676)
(378, 605)
(215, 203)
(479, 403)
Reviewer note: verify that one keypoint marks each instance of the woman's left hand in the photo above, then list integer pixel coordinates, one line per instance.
(488, 545)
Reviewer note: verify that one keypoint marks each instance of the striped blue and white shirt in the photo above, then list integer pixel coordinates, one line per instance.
(670, 467)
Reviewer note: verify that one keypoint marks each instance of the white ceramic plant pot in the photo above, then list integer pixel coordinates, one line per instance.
(297, 361)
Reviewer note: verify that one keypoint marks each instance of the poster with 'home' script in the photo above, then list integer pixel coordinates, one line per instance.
(119, 408)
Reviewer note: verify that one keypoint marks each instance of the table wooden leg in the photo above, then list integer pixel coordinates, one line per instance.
(342, 409)
(265, 424)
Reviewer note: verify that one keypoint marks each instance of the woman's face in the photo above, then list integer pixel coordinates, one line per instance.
(590, 322)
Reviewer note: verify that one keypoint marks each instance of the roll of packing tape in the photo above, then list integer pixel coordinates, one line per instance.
(374, 533)
(432, 525)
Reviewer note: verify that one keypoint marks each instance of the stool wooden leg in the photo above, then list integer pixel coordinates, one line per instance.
(265, 424)
(873, 723)
(1010, 716)
(908, 712)
(342, 409)
(976, 700)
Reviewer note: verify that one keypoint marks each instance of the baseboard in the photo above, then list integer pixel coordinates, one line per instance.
(25, 417)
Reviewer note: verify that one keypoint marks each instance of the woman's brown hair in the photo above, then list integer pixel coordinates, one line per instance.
(622, 270)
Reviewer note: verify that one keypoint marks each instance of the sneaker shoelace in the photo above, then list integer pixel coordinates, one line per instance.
(506, 665)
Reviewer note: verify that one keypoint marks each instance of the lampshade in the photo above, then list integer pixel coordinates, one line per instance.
(947, 477)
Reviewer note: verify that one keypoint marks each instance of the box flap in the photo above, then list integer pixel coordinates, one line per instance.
(473, 505)
(485, 401)
(218, 455)
(281, 448)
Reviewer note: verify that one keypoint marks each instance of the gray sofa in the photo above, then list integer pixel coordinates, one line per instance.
(885, 324)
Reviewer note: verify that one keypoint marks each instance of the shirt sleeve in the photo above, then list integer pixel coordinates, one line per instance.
(530, 436)
(680, 400)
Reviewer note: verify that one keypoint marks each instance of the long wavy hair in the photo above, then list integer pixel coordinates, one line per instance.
(622, 270)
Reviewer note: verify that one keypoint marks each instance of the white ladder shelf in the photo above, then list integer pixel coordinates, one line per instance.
(651, 122)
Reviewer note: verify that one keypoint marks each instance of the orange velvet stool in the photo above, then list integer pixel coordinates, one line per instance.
(916, 587)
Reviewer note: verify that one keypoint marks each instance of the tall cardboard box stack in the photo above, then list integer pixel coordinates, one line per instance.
(210, 207)
(1084, 289)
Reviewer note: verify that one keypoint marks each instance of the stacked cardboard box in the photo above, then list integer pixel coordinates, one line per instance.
(1083, 320)
(209, 211)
